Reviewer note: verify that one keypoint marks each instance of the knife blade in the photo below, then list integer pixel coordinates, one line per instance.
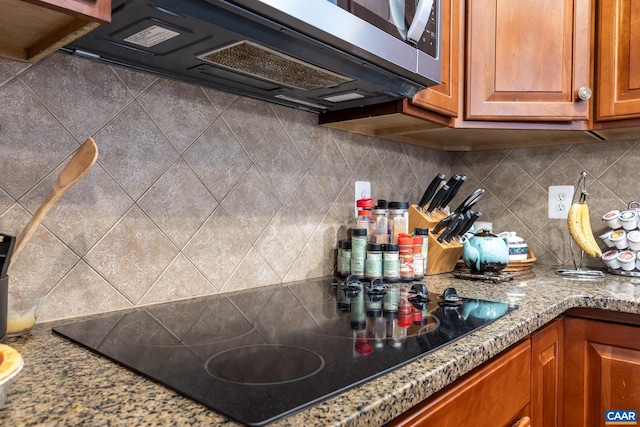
(454, 190)
(431, 190)
(437, 198)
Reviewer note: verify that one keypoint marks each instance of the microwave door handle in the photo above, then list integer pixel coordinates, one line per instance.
(423, 11)
(396, 9)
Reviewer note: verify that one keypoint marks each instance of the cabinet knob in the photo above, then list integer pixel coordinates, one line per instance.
(584, 93)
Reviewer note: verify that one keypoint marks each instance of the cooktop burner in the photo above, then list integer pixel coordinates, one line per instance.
(259, 355)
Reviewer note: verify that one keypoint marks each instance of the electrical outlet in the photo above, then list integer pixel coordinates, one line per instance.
(560, 197)
(363, 191)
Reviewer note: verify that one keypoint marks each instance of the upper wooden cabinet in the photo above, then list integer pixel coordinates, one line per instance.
(618, 63)
(443, 98)
(527, 59)
(33, 29)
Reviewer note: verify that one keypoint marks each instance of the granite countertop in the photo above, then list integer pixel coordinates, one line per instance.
(65, 384)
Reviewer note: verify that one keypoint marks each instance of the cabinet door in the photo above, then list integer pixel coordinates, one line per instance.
(618, 73)
(602, 370)
(443, 98)
(527, 59)
(547, 375)
(495, 394)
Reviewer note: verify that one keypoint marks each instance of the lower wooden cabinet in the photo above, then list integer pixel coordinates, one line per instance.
(568, 374)
(601, 370)
(497, 394)
(547, 347)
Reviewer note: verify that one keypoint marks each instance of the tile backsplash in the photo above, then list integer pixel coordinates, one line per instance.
(197, 191)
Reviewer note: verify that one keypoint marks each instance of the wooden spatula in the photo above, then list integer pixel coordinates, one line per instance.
(83, 159)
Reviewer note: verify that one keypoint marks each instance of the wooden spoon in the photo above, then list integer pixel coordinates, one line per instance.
(83, 159)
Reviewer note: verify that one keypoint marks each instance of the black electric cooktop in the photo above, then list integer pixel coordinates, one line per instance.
(263, 354)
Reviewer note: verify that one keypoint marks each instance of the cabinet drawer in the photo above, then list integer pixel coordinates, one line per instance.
(493, 394)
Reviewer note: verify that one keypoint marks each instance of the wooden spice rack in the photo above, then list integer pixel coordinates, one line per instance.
(441, 257)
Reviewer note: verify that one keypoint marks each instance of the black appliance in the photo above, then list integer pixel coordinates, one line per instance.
(260, 355)
(309, 54)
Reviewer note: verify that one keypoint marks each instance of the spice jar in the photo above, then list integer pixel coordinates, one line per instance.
(344, 261)
(373, 263)
(390, 263)
(379, 226)
(358, 251)
(398, 219)
(418, 259)
(405, 255)
(424, 232)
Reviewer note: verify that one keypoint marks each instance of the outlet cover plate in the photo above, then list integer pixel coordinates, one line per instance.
(560, 197)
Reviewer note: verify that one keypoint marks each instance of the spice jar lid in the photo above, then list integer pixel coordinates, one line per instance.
(405, 239)
(375, 247)
(418, 240)
(421, 232)
(390, 247)
(365, 203)
(358, 231)
(398, 205)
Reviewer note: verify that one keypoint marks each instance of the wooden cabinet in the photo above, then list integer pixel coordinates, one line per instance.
(33, 29)
(443, 98)
(526, 60)
(618, 63)
(547, 375)
(497, 394)
(602, 370)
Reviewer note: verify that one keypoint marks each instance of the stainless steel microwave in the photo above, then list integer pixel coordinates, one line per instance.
(319, 55)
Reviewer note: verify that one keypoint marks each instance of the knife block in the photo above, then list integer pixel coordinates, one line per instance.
(441, 257)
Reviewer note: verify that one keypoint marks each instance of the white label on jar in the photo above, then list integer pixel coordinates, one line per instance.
(357, 266)
(359, 248)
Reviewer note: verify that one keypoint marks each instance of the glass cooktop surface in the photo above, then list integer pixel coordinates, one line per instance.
(259, 355)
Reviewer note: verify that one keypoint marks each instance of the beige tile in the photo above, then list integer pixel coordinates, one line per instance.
(309, 138)
(331, 171)
(253, 123)
(218, 159)
(353, 147)
(309, 264)
(251, 204)
(252, 272)
(220, 100)
(282, 166)
(136, 156)
(181, 110)
(5, 201)
(536, 160)
(84, 95)
(81, 292)
(85, 212)
(132, 255)
(482, 163)
(43, 261)
(280, 244)
(531, 209)
(217, 248)
(178, 203)
(508, 180)
(32, 141)
(14, 67)
(180, 280)
(135, 81)
(307, 206)
(596, 158)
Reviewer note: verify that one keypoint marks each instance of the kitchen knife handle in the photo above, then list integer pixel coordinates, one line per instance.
(470, 222)
(444, 222)
(437, 198)
(453, 191)
(431, 190)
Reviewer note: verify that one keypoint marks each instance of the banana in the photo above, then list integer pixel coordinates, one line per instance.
(580, 227)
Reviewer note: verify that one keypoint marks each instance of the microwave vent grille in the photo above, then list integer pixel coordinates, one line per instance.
(259, 61)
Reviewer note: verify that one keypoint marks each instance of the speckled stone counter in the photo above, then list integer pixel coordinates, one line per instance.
(64, 384)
